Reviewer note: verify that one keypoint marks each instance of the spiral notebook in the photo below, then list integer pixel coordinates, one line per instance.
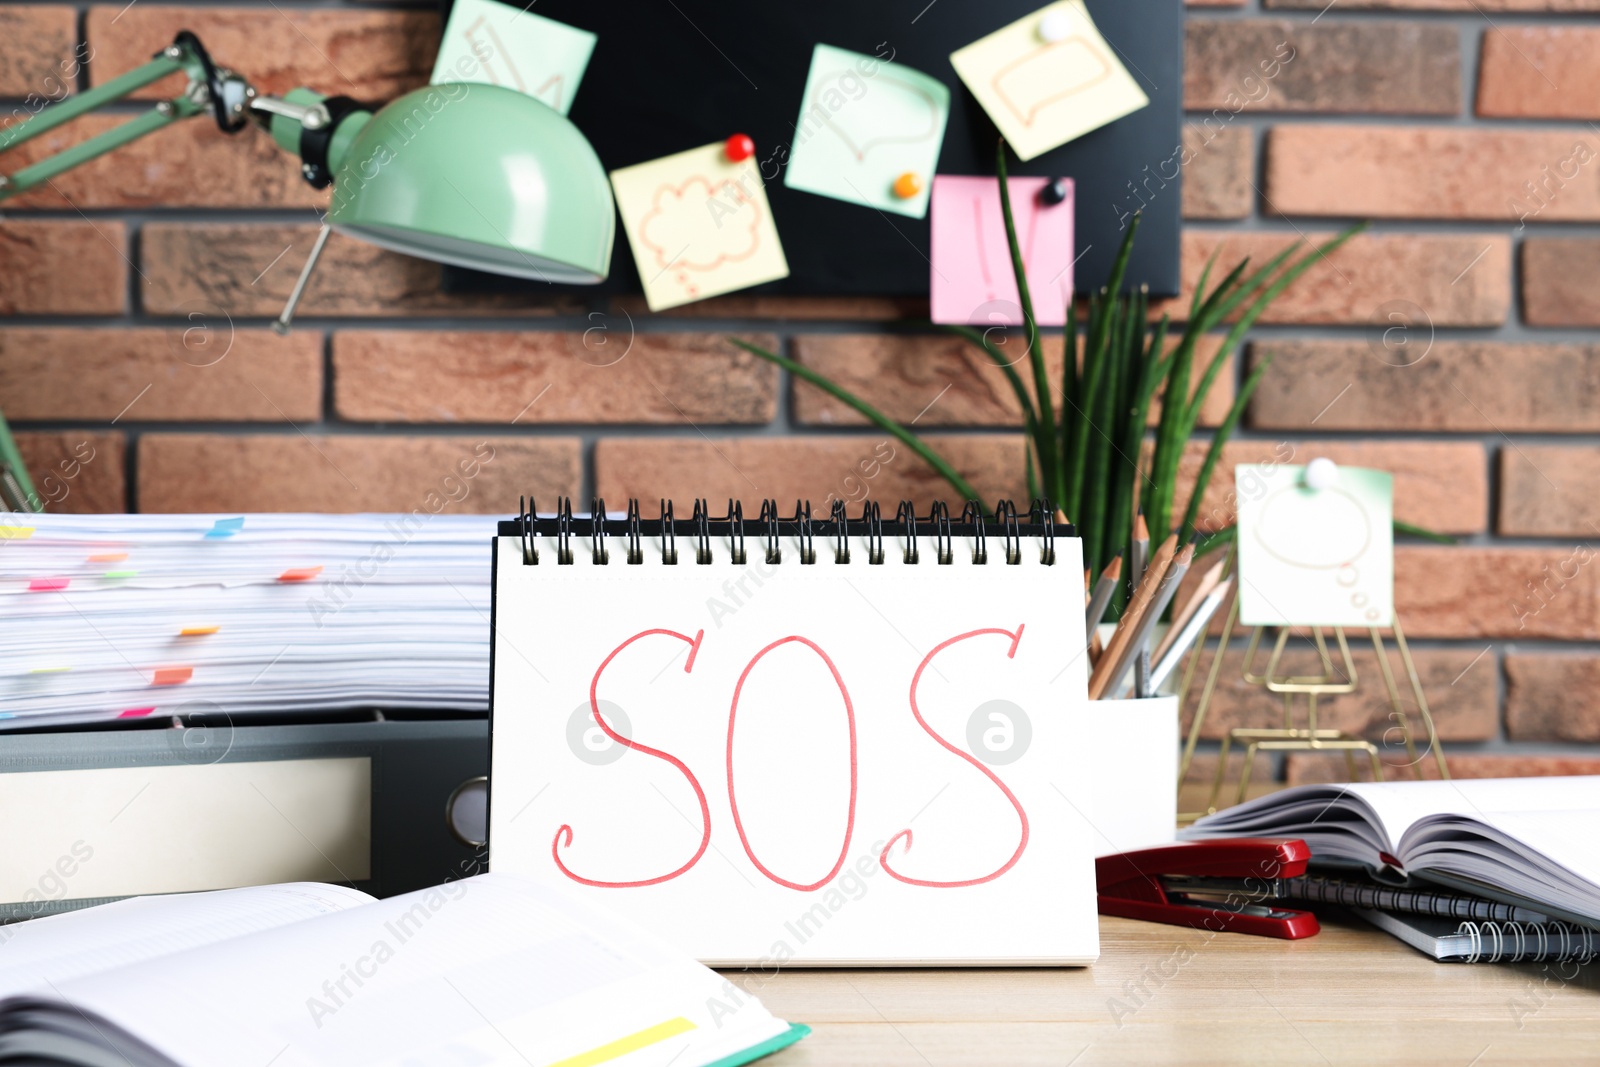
(782, 740)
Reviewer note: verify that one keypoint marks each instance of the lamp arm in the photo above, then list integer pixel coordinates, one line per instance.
(225, 93)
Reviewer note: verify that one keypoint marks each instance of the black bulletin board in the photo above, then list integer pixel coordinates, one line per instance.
(668, 75)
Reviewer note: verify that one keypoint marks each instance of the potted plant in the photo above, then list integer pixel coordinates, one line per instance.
(1087, 450)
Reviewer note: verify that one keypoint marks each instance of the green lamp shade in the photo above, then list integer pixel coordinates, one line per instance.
(476, 176)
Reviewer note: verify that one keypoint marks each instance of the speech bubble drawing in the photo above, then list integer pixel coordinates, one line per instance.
(701, 225)
(1049, 75)
(1318, 529)
(875, 117)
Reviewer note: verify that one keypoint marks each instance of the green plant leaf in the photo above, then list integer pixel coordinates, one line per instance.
(878, 418)
(1409, 530)
(1045, 428)
(1214, 450)
(1210, 542)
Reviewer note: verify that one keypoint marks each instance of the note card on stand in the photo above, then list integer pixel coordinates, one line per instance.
(869, 132)
(1048, 78)
(699, 225)
(1316, 545)
(800, 757)
(971, 279)
(494, 43)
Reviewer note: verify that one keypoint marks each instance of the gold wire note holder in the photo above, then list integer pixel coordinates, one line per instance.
(1306, 735)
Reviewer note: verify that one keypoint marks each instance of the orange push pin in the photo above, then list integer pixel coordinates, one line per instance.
(907, 186)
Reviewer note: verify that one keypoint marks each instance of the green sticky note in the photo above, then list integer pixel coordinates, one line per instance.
(1317, 554)
(500, 44)
(864, 123)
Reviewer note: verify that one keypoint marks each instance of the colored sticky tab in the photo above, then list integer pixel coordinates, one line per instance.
(869, 132)
(500, 44)
(50, 670)
(198, 631)
(135, 713)
(226, 527)
(1048, 78)
(47, 585)
(1315, 556)
(699, 224)
(299, 574)
(172, 675)
(108, 557)
(15, 533)
(972, 281)
(119, 574)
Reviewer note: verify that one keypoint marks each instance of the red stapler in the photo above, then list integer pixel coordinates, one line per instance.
(1216, 885)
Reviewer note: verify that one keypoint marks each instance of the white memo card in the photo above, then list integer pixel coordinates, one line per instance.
(775, 799)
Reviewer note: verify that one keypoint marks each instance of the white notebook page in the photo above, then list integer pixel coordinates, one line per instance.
(42, 953)
(486, 971)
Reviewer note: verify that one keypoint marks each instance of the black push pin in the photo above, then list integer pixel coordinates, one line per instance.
(1054, 193)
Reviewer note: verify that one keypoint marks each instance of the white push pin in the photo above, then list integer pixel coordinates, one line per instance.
(1055, 26)
(1321, 473)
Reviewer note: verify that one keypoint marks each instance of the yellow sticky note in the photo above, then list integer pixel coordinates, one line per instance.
(699, 225)
(1048, 78)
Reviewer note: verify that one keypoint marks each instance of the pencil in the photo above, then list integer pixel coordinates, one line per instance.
(1141, 549)
(1208, 582)
(1193, 632)
(1165, 590)
(1143, 594)
(1103, 590)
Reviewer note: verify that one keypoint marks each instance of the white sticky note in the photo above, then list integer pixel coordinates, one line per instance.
(699, 225)
(1315, 557)
(501, 44)
(1048, 78)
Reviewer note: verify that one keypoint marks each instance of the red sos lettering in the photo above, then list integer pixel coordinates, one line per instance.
(564, 835)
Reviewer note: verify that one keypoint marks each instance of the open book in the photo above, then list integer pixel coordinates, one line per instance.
(491, 970)
(1524, 841)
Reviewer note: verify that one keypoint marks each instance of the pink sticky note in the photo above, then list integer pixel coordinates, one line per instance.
(48, 585)
(972, 281)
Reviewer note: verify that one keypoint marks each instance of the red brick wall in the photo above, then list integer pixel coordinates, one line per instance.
(136, 363)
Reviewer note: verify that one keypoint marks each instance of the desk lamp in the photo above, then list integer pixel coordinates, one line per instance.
(463, 173)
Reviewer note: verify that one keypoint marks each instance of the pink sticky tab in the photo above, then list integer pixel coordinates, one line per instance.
(48, 585)
(299, 574)
(972, 282)
(172, 675)
(135, 713)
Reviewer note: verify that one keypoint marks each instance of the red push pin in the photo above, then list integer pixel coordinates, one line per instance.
(739, 148)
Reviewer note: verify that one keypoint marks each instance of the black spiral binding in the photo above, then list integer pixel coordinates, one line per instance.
(669, 534)
(972, 515)
(769, 519)
(564, 532)
(906, 517)
(597, 531)
(975, 525)
(635, 534)
(944, 540)
(802, 522)
(1005, 513)
(873, 517)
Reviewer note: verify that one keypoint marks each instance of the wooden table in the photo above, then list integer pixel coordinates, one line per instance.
(1165, 995)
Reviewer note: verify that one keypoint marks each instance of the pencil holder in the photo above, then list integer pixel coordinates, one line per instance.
(1133, 802)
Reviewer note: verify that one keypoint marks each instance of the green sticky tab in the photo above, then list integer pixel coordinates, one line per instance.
(119, 574)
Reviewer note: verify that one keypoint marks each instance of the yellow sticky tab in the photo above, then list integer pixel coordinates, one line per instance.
(15, 533)
(632, 1043)
(198, 631)
(50, 670)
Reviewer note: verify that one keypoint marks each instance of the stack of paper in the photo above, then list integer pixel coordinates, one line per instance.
(128, 616)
